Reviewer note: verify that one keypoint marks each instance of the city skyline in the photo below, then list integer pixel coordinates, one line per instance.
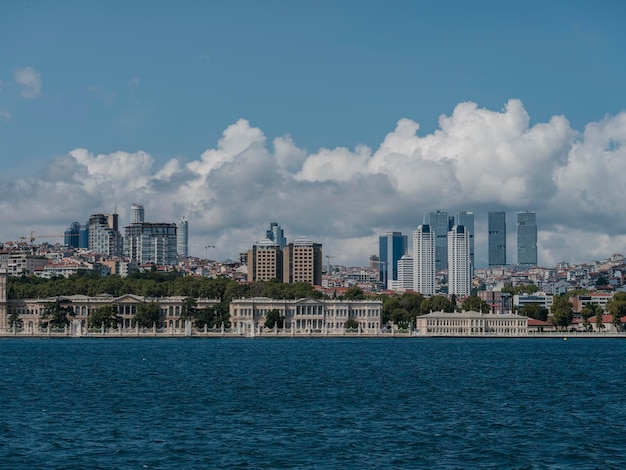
(338, 122)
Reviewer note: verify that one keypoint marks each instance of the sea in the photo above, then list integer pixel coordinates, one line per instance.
(313, 403)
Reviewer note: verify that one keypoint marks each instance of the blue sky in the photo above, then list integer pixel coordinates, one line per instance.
(169, 78)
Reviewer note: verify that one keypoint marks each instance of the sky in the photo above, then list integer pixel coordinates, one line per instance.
(339, 120)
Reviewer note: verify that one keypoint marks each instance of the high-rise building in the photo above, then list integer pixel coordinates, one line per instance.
(391, 247)
(71, 235)
(302, 262)
(146, 242)
(459, 265)
(466, 219)
(182, 244)
(527, 238)
(136, 213)
(104, 238)
(265, 261)
(497, 238)
(405, 273)
(440, 225)
(275, 233)
(424, 260)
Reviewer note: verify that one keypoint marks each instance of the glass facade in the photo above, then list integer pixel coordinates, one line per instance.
(527, 238)
(440, 225)
(497, 238)
(391, 247)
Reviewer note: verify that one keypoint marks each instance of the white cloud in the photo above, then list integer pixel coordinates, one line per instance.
(5, 115)
(30, 81)
(478, 159)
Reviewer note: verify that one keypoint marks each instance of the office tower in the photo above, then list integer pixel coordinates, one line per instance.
(466, 219)
(275, 233)
(424, 260)
(440, 225)
(265, 261)
(405, 273)
(302, 262)
(459, 266)
(497, 238)
(136, 214)
(391, 247)
(182, 244)
(374, 262)
(83, 236)
(103, 235)
(146, 242)
(71, 235)
(526, 238)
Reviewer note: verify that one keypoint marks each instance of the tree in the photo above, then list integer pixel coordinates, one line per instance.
(188, 308)
(354, 293)
(401, 317)
(105, 316)
(411, 302)
(437, 303)
(562, 312)
(55, 314)
(14, 319)
(351, 323)
(536, 311)
(617, 307)
(474, 303)
(273, 318)
(589, 311)
(147, 315)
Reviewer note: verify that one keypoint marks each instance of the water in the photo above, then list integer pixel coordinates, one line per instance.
(312, 403)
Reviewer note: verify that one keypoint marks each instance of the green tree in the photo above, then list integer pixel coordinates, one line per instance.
(354, 293)
(616, 307)
(589, 311)
(411, 302)
(536, 311)
(104, 316)
(55, 314)
(147, 315)
(351, 323)
(273, 318)
(188, 308)
(474, 303)
(437, 303)
(562, 311)
(401, 317)
(14, 319)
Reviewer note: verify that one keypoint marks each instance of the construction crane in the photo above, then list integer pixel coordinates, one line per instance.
(32, 237)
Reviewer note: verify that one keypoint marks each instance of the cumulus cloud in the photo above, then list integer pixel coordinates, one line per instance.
(30, 82)
(5, 115)
(477, 160)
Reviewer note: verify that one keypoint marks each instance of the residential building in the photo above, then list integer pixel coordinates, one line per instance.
(146, 243)
(136, 214)
(459, 265)
(104, 237)
(497, 238)
(527, 238)
(302, 262)
(182, 243)
(405, 274)
(466, 219)
(424, 260)
(391, 247)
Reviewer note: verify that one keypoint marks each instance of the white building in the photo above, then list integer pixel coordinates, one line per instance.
(147, 242)
(424, 260)
(471, 324)
(307, 315)
(405, 274)
(459, 265)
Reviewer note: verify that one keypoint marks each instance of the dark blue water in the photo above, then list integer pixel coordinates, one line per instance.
(313, 403)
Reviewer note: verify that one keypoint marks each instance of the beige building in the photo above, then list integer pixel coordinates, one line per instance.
(265, 261)
(471, 324)
(307, 315)
(302, 262)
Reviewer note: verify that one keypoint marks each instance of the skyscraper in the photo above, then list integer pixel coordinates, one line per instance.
(497, 238)
(440, 225)
(104, 238)
(459, 266)
(265, 261)
(182, 242)
(275, 233)
(466, 219)
(405, 272)
(391, 247)
(527, 238)
(136, 213)
(424, 260)
(146, 242)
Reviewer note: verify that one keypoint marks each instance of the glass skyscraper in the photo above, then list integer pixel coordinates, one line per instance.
(391, 247)
(466, 219)
(526, 238)
(497, 238)
(440, 225)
